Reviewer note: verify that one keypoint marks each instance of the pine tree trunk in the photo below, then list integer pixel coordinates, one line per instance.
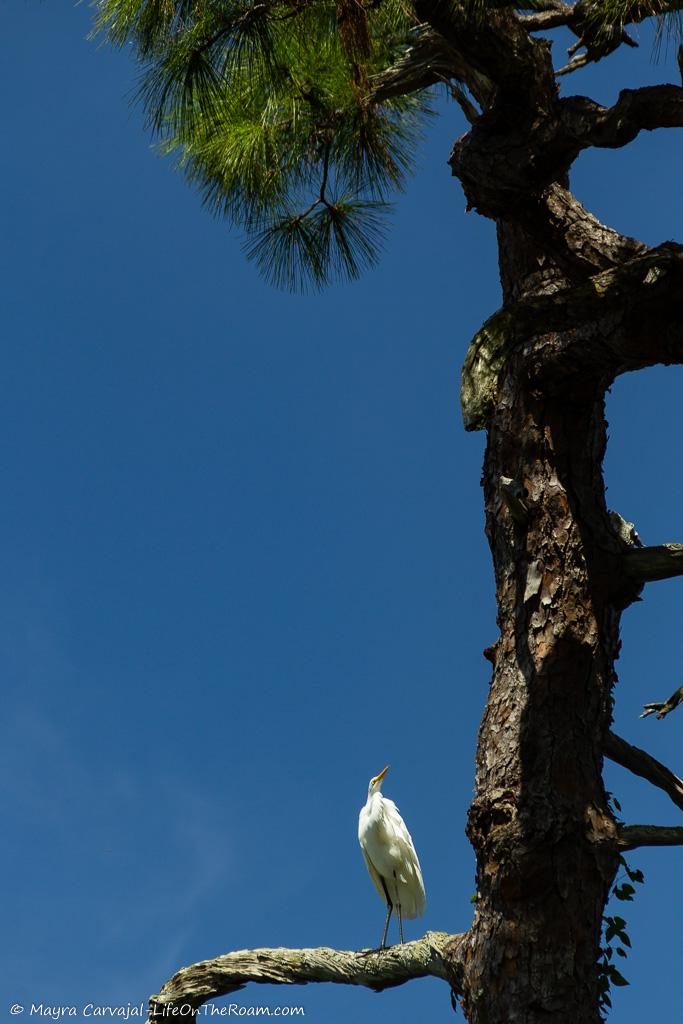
(539, 823)
(582, 304)
(546, 842)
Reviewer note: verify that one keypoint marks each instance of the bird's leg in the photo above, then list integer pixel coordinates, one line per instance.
(390, 907)
(398, 912)
(383, 944)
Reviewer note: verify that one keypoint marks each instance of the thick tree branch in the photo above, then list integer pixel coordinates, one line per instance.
(376, 969)
(633, 836)
(636, 110)
(663, 709)
(649, 564)
(575, 236)
(640, 763)
(623, 319)
(575, 245)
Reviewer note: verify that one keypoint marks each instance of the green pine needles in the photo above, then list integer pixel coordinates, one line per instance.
(268, 107)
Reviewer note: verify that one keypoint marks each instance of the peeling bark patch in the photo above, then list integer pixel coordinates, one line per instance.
(534, 579)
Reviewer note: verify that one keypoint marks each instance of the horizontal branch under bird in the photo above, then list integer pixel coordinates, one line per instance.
(437, 954)
(640, 763)
(432, 955)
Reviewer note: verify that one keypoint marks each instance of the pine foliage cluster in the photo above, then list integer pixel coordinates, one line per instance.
(268, 107)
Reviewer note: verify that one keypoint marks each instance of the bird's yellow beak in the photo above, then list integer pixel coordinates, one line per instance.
(378, 778)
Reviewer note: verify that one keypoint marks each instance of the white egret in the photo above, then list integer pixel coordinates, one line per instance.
(390, 857)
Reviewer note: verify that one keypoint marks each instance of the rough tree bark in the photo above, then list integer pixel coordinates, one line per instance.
(545, 839)
(581, 304)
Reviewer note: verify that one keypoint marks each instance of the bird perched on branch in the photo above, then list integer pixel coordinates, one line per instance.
(390, 857)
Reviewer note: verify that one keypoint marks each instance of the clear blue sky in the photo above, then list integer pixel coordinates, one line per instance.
(242, 556)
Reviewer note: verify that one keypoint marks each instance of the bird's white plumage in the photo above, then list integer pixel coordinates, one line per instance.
(389, 853)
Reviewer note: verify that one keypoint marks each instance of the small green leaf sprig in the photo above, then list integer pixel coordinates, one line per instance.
(616, 938)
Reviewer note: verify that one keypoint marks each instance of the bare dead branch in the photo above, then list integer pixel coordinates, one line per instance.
(663, 709)
(596, 43)
(598, 38)
(633, 836)
(578, 61)
(376, 969)
(640, 763)
(649, 564)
